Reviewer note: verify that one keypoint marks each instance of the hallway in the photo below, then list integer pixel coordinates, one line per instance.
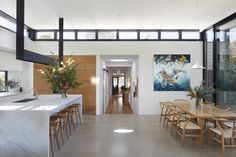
(116, 106)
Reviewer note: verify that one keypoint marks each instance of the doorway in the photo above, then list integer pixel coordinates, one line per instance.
(119, 103)
(117, 83)
(121, 72)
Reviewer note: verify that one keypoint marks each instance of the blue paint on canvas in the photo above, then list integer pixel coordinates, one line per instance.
(171, 72)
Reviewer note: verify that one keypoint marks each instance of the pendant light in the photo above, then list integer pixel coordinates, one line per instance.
(197, 65)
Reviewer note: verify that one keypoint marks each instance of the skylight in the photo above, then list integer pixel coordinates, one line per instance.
(7, 24)
(119, 60)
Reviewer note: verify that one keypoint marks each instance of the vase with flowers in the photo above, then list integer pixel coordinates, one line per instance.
(200, 92)
(61, 76)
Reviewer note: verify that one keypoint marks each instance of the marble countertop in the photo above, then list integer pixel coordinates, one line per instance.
(6, 94)
(50, 103)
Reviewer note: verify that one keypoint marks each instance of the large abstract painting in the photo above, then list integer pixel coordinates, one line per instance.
(171, 72)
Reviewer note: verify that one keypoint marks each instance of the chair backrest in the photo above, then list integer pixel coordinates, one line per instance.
(164, 105)
(180, 100)
(169, 109)
(227, 108)
(218, 125)
(208, 103)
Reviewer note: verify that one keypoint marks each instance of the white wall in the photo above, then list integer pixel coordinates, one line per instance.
(134, 76)
(147, 98)
(8, 61)
(16, 69)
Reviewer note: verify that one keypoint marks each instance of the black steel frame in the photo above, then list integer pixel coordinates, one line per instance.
(216, 65)
(96, 31)
(21, 53)
(60, 49)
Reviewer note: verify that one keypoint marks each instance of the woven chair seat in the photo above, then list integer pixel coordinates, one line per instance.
(189, 126)
(227, 132)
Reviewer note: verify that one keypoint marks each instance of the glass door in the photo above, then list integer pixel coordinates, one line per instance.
(226, 49)
(115, 83)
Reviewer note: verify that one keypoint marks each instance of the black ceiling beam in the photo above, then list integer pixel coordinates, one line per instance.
(36, 58)
(21, 53)
(20, 20)
(61, 25)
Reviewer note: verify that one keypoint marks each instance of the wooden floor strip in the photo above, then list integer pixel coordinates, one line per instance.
(116, 106)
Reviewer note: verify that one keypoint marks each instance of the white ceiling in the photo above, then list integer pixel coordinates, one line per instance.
(123, 14)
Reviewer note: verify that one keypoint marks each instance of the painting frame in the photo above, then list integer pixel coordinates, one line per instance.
(171, 72)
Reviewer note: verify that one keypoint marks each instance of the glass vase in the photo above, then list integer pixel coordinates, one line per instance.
(197, 102)
(64, 93)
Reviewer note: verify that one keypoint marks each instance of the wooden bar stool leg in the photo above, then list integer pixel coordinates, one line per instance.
(62, 131)
(65, 128)
(72, 120)
(51, 144)
(56, 136)
(69, 123)
(79, 116)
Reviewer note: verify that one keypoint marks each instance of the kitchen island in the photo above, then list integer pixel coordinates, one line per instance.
(24, 123)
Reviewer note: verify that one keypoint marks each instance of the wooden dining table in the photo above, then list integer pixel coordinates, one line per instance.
(204, 111)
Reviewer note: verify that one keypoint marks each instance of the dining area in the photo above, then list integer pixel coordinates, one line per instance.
(207, 124)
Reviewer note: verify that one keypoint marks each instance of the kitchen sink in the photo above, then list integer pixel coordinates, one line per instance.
(24, 100)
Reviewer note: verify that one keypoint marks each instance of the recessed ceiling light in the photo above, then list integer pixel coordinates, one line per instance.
(123, 131)
(119, 60)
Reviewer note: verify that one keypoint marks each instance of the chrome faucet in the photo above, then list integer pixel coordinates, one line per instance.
(35, 93)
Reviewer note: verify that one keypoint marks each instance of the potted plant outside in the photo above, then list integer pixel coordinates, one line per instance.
(1, 85)
(125, 94)
(12, 86)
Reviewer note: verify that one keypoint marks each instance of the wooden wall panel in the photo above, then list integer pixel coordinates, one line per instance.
(40, 84)
(86, 70)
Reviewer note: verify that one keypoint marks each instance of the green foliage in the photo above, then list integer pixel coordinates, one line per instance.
(13, 83)
(229, 73)
(201, 91)
(1, 84)
(61, 76)
(124, 89)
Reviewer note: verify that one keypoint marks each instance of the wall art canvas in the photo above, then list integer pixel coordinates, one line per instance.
(171, 72)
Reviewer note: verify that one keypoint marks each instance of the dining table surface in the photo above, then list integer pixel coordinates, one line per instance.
(204, 110)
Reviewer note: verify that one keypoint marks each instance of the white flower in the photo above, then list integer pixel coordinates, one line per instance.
(60, 69)
(41, 71)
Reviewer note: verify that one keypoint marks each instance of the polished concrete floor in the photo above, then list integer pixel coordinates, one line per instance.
(95, 138)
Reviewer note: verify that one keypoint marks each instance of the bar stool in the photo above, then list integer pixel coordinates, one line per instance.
(70, 112)
(76, 108)
(53, 132)
(64, 121)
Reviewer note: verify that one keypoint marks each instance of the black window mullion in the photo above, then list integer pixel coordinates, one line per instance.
(118, 35)
(180, 34)
(138, 34)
